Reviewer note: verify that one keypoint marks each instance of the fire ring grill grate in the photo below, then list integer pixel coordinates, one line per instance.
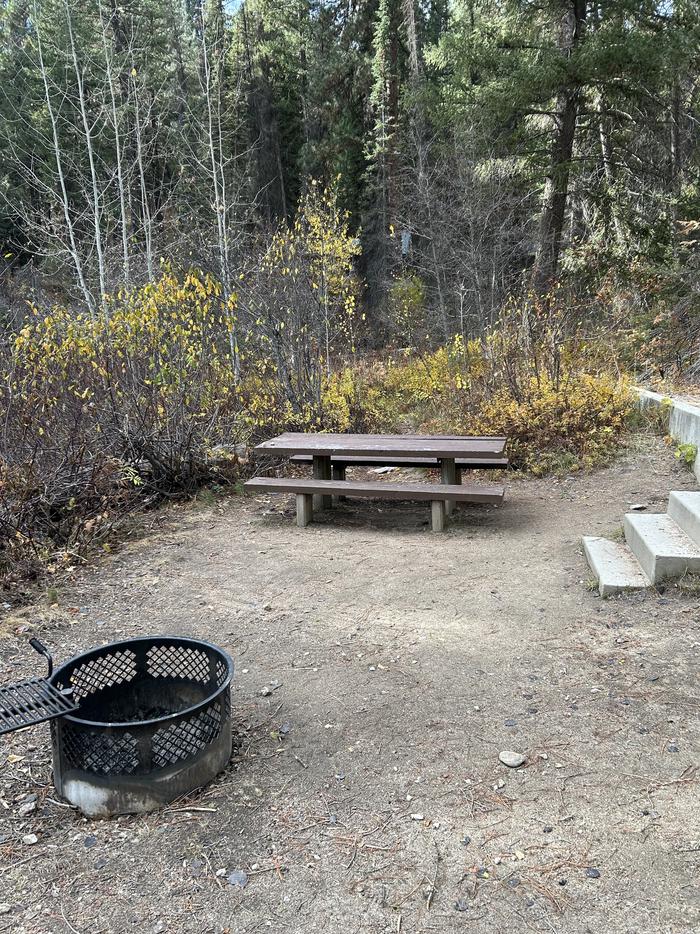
(31, 701)
(154, 723)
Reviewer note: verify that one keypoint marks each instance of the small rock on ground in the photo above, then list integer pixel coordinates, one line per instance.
(237, 877)
(512, 759)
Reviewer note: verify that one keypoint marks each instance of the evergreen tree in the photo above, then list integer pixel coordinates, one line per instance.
(479, 145)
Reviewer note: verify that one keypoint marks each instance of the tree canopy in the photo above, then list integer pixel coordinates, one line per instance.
(480, 146)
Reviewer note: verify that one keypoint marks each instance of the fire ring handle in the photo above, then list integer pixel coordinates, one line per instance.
(42, 650)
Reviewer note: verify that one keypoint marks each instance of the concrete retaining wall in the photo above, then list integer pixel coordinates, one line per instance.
(683, 420)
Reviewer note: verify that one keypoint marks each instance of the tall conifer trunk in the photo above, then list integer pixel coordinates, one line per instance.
(556, 187)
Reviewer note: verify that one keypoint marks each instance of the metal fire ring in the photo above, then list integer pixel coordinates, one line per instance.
(153, 723)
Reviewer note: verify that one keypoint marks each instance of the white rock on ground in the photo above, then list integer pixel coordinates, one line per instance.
(614, 566)
(512, 759)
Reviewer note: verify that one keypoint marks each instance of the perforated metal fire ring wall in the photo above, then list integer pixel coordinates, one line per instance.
(154, 724)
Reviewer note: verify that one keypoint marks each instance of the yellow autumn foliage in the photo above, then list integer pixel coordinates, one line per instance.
(154, 396)
(160, 360)
(570, 422)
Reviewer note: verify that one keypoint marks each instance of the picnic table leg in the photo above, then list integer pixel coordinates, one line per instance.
(438, 515)
(338, 473)
(449, 475)
(305, 509)
(322, 471)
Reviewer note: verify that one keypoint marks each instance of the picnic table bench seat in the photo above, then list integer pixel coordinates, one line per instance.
(342, 461)
(437, 494)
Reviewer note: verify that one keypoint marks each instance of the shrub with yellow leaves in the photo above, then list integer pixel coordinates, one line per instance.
(569, 426)
(138, 399)
(406, 305)
(302, 300)
(560, 407)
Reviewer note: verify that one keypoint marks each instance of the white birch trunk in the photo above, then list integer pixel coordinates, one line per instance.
(218, 182)
(96, 209)
(143, 188)
(58, 158)
(123, 206)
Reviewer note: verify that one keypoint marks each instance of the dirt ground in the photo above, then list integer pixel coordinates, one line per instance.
(365, 794)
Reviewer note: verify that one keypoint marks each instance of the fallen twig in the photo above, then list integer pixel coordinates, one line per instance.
(19, 862)
(432, 884)
(175, 810)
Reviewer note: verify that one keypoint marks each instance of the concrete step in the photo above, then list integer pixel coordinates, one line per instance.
(614, 566)
(684, 509)
(662, 548)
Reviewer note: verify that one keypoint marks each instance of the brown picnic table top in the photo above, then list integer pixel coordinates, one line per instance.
(329, 445)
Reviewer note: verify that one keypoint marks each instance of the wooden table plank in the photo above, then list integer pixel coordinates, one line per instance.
(329, 445)
(476, 492)
(295, 436)
(394, 460)
(442, 437)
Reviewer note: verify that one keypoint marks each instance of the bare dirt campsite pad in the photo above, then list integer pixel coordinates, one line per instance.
(380, 671)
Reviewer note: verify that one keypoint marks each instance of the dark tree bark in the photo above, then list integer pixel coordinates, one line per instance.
(556, 187)
(393, 117)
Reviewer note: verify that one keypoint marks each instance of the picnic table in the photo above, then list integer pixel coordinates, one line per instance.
(446, 449)
(330, 453)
